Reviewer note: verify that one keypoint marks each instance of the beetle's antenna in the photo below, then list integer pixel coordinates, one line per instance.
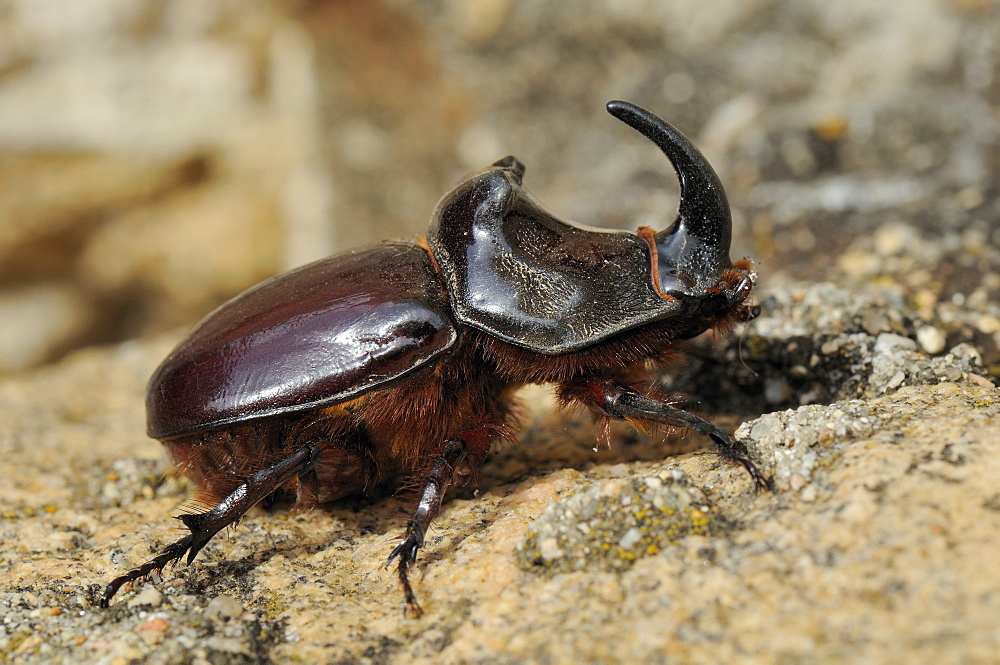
(744, 330)
(739, 352)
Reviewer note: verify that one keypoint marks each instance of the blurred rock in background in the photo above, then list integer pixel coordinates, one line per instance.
(157, 158)
(154, 159)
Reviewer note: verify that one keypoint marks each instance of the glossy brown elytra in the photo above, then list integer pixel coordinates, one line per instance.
(400, 359)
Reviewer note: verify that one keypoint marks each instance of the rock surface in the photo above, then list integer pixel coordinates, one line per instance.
(879, 540)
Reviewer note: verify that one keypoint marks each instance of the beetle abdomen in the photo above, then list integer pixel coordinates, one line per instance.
(321, 334)
(219, 460)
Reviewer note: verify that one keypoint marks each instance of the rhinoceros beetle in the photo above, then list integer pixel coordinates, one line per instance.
(400, 359)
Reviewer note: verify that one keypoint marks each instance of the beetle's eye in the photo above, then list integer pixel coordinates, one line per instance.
(741, 290)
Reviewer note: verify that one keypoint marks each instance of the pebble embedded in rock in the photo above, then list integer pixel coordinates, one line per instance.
(931, 339)
(149, 596)
(223, 607)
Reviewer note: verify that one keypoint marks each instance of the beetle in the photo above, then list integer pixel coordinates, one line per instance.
(401, 359)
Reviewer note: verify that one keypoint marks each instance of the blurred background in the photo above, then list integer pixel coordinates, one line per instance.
(158, 157)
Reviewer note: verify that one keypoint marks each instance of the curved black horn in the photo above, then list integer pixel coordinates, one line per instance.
(702, 233)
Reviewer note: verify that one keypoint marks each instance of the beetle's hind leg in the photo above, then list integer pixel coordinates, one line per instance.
(172, 552)
(204, 526)
(619, 401)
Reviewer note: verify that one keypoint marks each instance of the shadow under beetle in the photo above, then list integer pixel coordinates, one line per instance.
(401, 359)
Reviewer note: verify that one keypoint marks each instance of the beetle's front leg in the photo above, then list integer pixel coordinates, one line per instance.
(436, 484)
(619, 401)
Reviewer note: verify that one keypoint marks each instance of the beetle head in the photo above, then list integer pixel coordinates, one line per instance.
(693, 253)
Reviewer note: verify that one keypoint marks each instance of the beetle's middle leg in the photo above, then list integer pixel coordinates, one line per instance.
(435, 485)
(205, 525)
(470, 445)
(619, 401)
